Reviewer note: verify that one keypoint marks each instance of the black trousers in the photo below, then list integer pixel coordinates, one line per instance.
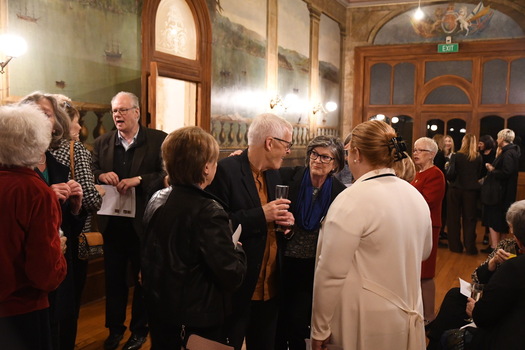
(295, 306)
(451, 315)
(257, 322)
(122, 265)
(462, 213)
(29, 331)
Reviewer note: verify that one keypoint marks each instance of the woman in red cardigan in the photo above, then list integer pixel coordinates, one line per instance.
(32, 262)
(430, 182)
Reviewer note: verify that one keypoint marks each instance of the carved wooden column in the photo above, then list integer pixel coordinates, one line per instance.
(4, 81)
(272, 58)
(315, 19)
(344, 125)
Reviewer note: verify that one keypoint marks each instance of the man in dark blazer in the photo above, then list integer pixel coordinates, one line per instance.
(246, 184)
(126, 158)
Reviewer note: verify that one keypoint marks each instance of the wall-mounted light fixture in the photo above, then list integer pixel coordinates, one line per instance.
(418, 15)
(276, 101)
(11, 46)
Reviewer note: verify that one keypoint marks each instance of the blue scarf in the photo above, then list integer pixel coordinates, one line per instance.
(310, 212)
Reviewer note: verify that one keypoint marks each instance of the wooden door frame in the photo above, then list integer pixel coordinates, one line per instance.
(197, 71)
(478, 51)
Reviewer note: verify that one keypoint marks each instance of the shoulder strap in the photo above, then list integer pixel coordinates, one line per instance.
(72, 158)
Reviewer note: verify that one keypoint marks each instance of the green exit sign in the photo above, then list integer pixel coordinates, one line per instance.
(446, 48)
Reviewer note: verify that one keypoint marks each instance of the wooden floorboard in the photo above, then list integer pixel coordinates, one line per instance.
(450, 266)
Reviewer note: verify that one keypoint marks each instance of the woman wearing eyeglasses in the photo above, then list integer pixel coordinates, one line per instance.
(312, 190)
(430, 182)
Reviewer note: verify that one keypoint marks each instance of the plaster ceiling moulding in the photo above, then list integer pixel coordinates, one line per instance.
(369, 3)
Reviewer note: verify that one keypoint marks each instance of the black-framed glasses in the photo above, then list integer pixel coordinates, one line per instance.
(288, 143)
(122, 111)
(419, 150)
(322, 157)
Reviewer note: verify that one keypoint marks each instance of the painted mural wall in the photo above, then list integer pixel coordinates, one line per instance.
(86, 50)
(239, 89)
(460, 21)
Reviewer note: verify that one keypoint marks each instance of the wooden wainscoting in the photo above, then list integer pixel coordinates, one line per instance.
(95, 285)
(521, 187)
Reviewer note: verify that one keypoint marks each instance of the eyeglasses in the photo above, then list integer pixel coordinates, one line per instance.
(322, 157)
(122, 111)
(418, 150)
(288, 143)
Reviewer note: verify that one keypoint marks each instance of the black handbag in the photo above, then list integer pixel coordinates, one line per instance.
(491, 190)
(90, 244)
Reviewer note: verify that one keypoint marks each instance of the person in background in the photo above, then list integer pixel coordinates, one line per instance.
(498, 314)
(31, 253)
(312, 189)
(487, 150)
(430, 182)
(405, 168)
(463, 195)
(448, 148)
(91, 199)
(440, 161)
(367, 292)
(128, 157)
(452, 313)
(189, 265)
(65, 301)
(246, 184)
(345, 176)
(505, 170)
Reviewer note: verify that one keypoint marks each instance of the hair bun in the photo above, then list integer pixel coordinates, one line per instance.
(399, 146)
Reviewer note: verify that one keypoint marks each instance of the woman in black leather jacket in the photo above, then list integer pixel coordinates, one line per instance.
(190, 266)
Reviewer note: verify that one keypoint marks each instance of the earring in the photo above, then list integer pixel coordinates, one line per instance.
(355, 160)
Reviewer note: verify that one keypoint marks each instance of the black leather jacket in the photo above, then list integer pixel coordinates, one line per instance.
(189, 264)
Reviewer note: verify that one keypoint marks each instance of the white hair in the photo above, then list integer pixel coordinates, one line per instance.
(507, 135)
(25, 134)
(265, 125)
(429, 143)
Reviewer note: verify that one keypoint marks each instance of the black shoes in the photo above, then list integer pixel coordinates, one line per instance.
(113, 341)
(442, 244)
(134, 342)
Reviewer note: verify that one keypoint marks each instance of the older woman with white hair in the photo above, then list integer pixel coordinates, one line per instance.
(504, 172)
(31, 250)
(430, 182)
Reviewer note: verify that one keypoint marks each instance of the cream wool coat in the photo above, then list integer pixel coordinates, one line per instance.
(367, 291)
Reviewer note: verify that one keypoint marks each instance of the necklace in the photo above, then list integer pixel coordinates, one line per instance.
(42, 160)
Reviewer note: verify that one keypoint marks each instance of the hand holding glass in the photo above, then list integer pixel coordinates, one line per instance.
(281, 191)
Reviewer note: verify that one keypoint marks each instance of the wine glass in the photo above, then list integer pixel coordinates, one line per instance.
(476, 291)
(281, 191)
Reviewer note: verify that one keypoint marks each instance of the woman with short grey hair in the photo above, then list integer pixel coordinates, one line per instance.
(312, 189)
(30, 217)
(504, 172)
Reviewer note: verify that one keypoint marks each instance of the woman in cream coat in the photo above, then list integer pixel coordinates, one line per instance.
(367, 292)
